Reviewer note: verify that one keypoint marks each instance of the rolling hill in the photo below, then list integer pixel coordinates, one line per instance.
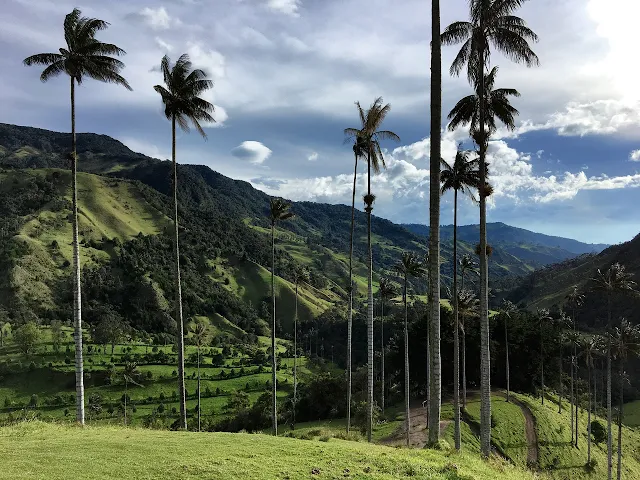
(126, 250)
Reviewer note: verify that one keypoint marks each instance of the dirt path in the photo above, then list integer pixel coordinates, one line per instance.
(530, 431)
(418, 434)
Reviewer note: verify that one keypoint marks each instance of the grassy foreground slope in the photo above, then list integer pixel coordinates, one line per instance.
(110, 452)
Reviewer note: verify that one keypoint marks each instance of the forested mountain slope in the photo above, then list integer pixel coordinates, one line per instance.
(124, 216)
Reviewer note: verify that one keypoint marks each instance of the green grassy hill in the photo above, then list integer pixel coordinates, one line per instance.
(632, 414)
(110, 452)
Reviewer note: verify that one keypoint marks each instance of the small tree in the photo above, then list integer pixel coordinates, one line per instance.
(27, 337)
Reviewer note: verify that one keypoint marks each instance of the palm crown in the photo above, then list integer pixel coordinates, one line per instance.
(615, 278)
(497, 105)
(279, 210)
(491, 22)
(386, 289)
(367, 138)
(181, 94)
(468, 304)
(410, 265)
(463, 176)
(84, 55)
(200, 334)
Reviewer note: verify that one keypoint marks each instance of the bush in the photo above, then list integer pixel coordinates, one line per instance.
(598, 431)
(161, 408)
(174, 410)
(67, 360)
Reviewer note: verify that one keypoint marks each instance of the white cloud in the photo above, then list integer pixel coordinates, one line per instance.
(149, 149)
(163, 45)
(313, 156)
(634, 156)
(287, 7)
(157, 18)
(252, 151)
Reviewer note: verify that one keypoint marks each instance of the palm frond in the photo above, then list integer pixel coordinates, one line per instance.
(43, 59)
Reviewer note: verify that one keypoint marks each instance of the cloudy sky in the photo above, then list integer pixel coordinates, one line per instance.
(287, 74)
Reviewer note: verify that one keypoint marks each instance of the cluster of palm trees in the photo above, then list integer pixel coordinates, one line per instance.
(491, 24)
(86, 56)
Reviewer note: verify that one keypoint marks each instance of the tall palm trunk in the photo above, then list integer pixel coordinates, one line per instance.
(464, 356)
(609, 436)
(456, 328)
(369, 311)
(434, 222)
(274, 418)
(350, 320)
(620, 404)
(295, 359)
(126, 390)
(406, 362)
(541, 364)
(560, 383)
(77, 298)
(178, 306)
(485, 357)
(571, 406)
(199, 404)
(588, 413)
(577, 406)
(506, 346)
(382, 348)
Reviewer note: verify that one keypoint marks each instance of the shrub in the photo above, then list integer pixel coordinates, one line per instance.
(67, 360)
(174, 410)
(598, 431)
(161, 408)
(66, 412)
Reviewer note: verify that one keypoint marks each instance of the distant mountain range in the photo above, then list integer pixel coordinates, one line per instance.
(124, 210)
(529, 246)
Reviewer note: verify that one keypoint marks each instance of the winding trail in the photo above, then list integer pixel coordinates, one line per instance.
(530, 430)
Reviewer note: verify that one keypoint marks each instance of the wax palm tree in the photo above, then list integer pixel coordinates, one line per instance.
(573, 340)
(507, 309)
(370, 137)
(463, 176)
(84, 56)
(409, 266)
(592, 346)
(300, 275)
(465, 264)
(356, 136)
(468, 307)
(386, 290)
(627, 343)
(542, 316)
(182, 105)
(614, 280)
(200, 338)
(491, 23)
(278, 212)
(435, 155)
(498, 107)
(574, 301)
(130, 373)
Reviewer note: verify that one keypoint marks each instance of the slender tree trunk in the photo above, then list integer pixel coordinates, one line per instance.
(577, 423)
(571, 407)
(406, 363)
(620, 405)
(428, 365)
(126, 390)
(485, 355)
(295, 359)
(178, 305)
(350, 320)
(199, 397)
(560, 385)
(506, 347)
(541, 364)
(369, 312)
(382, 348)
(274, 414)
(434, 222)
(464, 355)
(77, 298)
(456, 329)
(588, 413)
(609, 435)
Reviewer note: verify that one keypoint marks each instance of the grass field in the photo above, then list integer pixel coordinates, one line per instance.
(564, 462)
(632, 414)
(111, 452)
